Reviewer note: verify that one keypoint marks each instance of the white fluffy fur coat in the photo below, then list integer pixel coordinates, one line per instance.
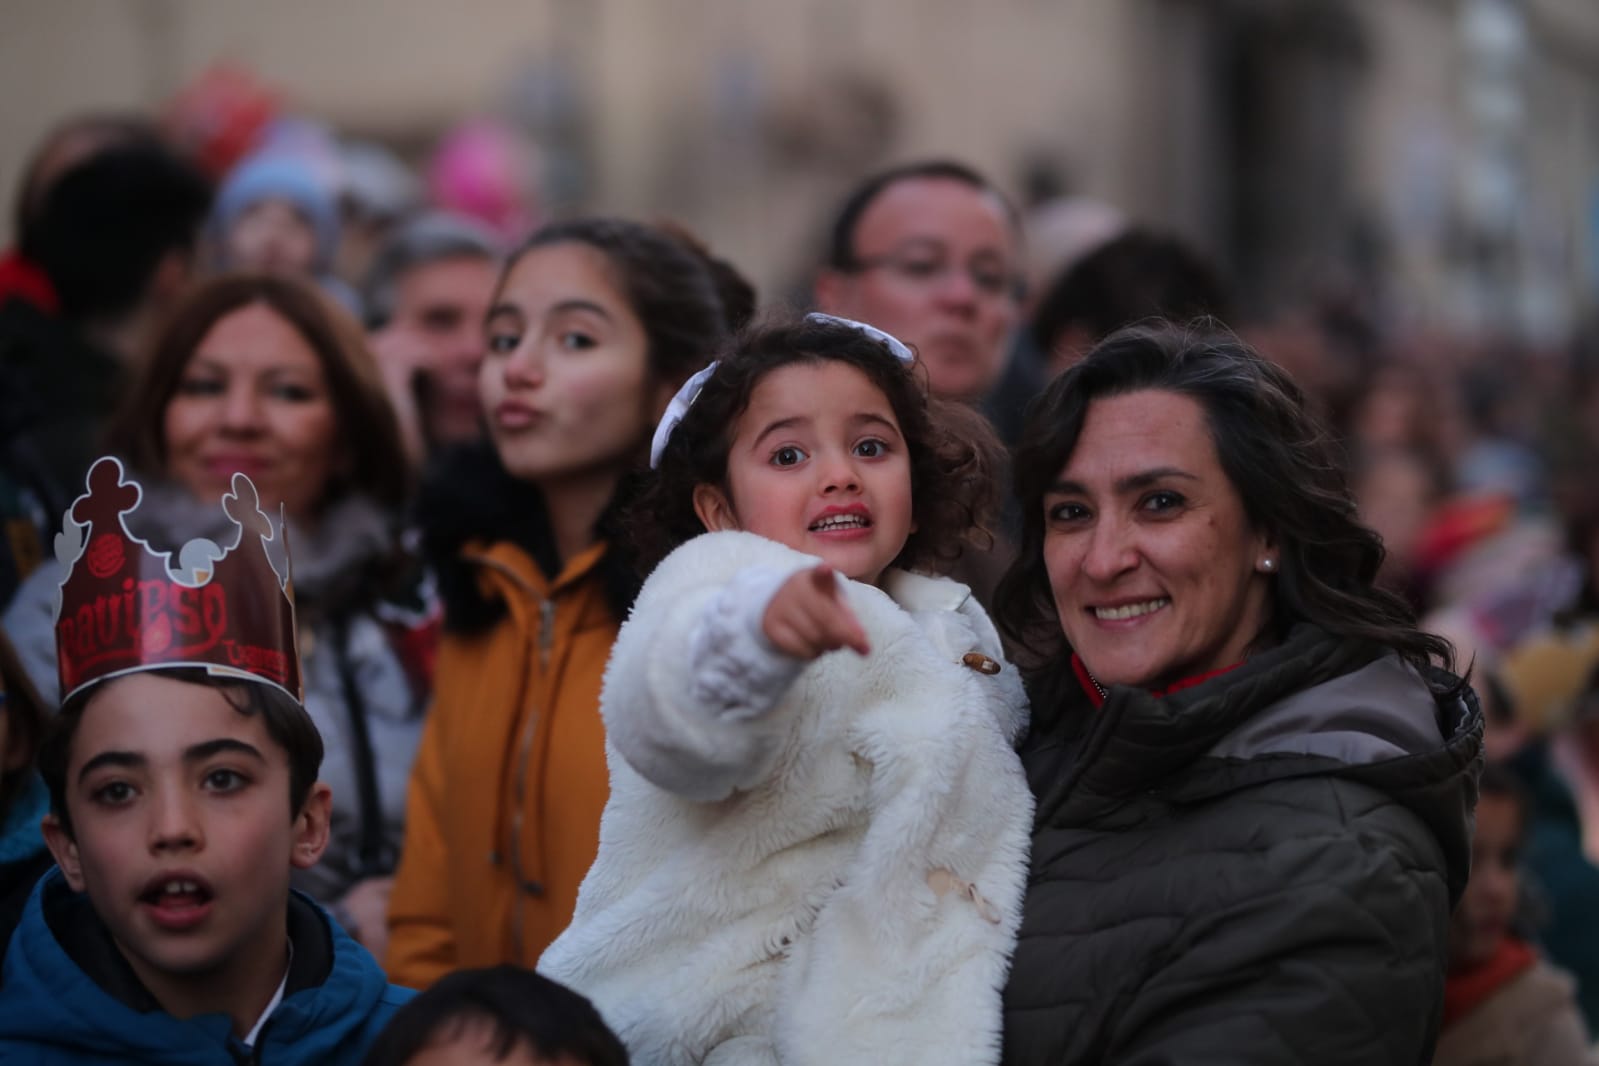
(837, 879)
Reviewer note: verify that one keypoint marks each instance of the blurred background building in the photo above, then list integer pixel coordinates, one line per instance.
(1442, 155)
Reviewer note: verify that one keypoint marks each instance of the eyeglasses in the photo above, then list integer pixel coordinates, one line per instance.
(920, 268)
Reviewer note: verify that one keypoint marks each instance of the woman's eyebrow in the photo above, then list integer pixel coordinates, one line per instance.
(1142, 479)
(581, 305)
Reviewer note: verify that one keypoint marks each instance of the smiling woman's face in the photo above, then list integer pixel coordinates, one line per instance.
(1155, 569)
(255, 400)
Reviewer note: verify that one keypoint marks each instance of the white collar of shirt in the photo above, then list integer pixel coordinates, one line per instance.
(272, 1005)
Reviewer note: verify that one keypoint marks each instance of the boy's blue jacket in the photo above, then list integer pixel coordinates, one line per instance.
(53, 1011)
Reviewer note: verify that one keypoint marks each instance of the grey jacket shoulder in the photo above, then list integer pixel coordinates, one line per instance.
(29, 622)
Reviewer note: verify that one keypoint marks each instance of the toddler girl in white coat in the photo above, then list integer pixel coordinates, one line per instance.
(815, 847)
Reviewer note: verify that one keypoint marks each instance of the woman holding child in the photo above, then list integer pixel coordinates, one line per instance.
(1253, 782)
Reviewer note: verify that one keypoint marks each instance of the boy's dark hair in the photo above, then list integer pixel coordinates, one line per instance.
(287, 723)
(72, 141)
(517, 1006)
(954, 456)
(841, 253)
(103, 229)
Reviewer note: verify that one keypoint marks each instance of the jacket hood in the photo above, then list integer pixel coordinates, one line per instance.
(336, 1000)
(1316, 705)
(468, 496)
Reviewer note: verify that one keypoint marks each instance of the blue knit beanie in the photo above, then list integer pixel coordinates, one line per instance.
(281, 177)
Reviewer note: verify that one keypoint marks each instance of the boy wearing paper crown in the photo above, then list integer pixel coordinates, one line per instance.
(182, 777)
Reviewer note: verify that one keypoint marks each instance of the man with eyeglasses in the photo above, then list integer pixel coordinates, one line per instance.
(931, 252)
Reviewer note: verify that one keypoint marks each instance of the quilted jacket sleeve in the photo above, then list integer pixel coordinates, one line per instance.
(1337, 969)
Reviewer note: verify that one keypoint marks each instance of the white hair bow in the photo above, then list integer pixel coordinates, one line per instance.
(899, 348)
(690, 391)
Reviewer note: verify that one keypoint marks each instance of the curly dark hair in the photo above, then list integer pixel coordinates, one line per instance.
(955, 457)
(1284, 466)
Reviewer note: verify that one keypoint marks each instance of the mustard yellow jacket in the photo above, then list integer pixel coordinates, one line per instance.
(504, 806)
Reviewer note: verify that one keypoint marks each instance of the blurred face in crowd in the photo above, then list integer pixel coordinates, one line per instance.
(937, 263)
(1482, 919)
(565, 383)
(183, 838)
(1155, 570)
(1395, 495)
(1391, 413)
(254, 399)
(444, 304)
(271, 235)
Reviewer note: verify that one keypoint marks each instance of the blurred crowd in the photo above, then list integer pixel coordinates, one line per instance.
(266, 297)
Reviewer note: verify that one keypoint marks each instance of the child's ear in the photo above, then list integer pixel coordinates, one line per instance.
(311, 827)
(714, 509)
(65, 850)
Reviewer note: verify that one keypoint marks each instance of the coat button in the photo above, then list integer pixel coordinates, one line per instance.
(980, 662)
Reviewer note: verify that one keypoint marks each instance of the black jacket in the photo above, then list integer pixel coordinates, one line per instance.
(1258, 869)
(60, 391)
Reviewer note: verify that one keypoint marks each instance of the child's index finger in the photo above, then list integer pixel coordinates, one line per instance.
(857, 640)
(851, 630)
(825, 579)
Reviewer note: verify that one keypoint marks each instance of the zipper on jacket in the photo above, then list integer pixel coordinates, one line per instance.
(526, 886)
(546, 631)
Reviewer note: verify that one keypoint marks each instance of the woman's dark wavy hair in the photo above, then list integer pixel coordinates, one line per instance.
(1285, 468)
(955, 457)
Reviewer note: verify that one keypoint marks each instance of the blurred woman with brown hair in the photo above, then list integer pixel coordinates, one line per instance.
(263, 375)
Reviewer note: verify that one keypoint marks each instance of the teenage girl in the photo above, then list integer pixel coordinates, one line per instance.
(815, 844)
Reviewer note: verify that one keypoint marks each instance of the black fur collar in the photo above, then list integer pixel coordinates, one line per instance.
(469, 495)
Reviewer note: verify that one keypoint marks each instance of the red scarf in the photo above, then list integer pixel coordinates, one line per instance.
(1466, 989)
(1097, 698)
(23, 279)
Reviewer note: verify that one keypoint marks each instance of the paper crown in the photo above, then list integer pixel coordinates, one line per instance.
(123, 607)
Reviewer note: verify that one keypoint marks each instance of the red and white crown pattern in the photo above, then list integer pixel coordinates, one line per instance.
(123, 607)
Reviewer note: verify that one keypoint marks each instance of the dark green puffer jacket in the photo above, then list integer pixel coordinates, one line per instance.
(1257, 869)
